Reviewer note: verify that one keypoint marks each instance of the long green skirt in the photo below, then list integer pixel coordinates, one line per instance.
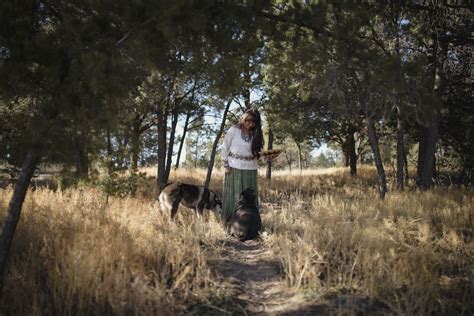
(234, 183)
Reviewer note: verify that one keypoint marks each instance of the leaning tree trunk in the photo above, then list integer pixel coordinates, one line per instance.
(181, 143)
(378, 159)
(268, 174)
(174, 122)
(400, 152)
(214, 145)
(161, 123)
(14, 208)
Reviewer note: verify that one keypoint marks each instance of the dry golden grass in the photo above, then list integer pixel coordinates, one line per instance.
(73, 254)
(413, 251)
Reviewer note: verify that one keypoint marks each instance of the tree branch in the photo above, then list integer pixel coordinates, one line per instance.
(126, 35)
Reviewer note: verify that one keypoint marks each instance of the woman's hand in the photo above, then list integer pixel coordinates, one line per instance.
(228, 170)
(265, 158)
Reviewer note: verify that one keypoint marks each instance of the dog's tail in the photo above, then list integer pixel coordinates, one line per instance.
(179, 187)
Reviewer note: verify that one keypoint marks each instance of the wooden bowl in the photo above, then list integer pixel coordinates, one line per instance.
(272, 153)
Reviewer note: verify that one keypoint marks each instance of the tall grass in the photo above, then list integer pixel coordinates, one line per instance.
(74, 253)
(413, 251)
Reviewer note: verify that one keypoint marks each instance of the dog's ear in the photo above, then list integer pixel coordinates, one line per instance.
(247, 192)
(250, 191)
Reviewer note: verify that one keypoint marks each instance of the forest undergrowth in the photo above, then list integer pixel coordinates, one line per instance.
(77, 251)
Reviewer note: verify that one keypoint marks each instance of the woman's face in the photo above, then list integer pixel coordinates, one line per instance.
(249, 123)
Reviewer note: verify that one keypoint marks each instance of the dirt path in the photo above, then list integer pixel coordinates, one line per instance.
(251, 277)
(248, 271)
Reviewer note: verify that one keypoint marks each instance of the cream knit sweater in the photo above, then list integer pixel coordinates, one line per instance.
(237, 146)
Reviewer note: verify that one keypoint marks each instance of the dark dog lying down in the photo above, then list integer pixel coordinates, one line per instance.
(246, 222)
(189, 195)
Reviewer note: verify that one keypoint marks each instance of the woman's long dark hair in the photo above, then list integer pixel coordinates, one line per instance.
(257, 135)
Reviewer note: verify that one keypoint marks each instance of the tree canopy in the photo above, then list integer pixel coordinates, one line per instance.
(115, 81)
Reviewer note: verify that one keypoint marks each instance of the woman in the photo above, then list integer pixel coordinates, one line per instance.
(240, 152)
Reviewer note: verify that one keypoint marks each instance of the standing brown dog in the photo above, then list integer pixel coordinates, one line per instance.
(189, 195)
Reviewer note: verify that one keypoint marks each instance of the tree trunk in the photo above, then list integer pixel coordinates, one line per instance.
(378, 159)
(425, 168)
(405, 160)
(421, 154)
(122, 145)
(426, 180)
(162, 119)
(181, 143)
(345, 154)
(82, 161)
(352, 152)
(14, 208)
(135, 139)
(214, 145)
(246, 89)
(300, 157)
(400, 152)
(174, 122)
(426, 154)
(196, 152)
(268, 174)
(109, 151)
